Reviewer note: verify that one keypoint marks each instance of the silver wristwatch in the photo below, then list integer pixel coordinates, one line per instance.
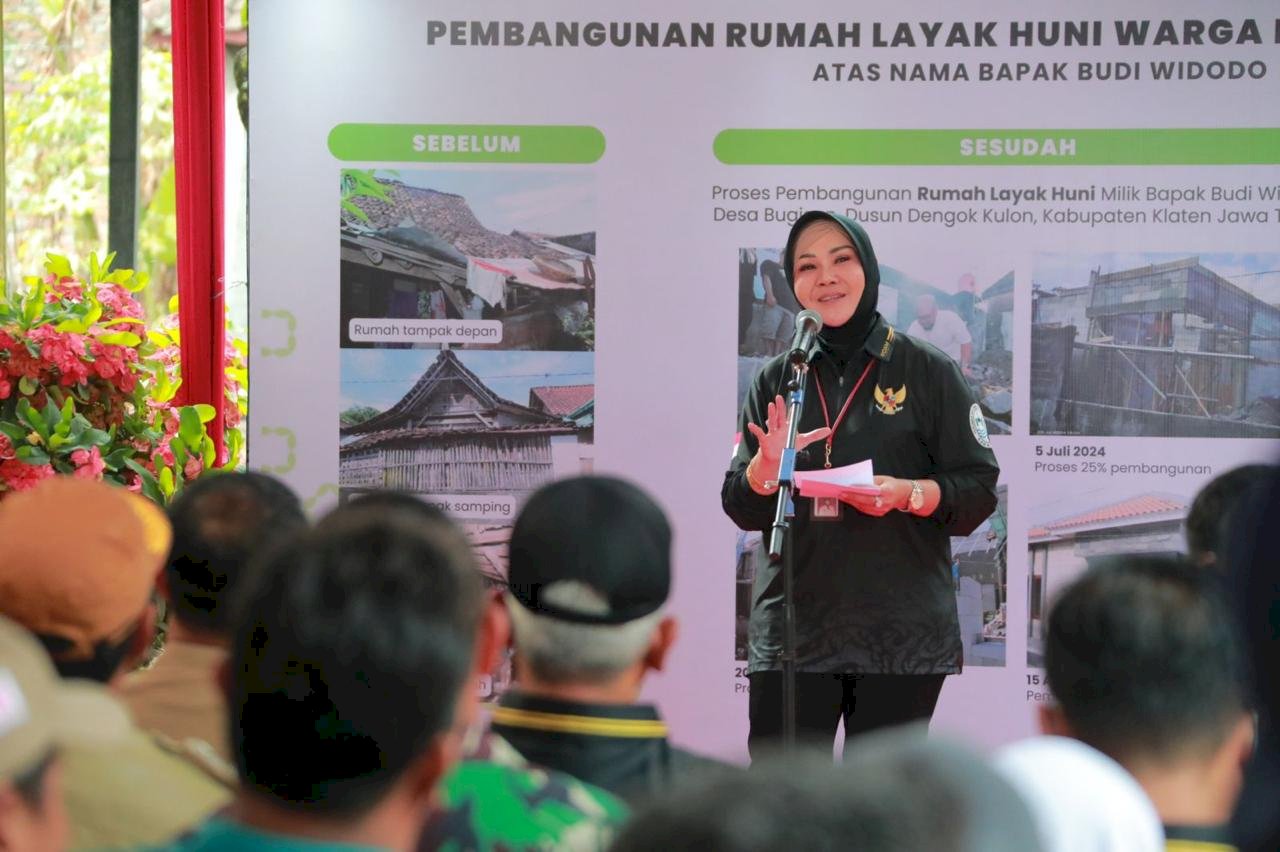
(916, 500)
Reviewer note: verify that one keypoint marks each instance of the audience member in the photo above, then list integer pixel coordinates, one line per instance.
(40, 715)
(1080, 798)
(350, 651)
(1212, 516)
(590, 571)
(1252, 548)
(1144, 664)
(896, 792)
(219, 522)
(494, 798)
(78, 567)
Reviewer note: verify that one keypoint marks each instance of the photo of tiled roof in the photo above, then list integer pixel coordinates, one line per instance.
(449, 217)
(1151, 507)
(560, 400)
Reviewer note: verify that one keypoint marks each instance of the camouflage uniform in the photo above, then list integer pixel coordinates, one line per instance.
(495, 800)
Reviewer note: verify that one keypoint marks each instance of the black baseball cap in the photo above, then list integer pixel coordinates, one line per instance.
(600, 531)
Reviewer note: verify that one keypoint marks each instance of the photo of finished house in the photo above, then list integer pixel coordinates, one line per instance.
(1156, 345)
(1072, 534)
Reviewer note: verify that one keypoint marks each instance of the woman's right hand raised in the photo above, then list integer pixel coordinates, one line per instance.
(773, 438)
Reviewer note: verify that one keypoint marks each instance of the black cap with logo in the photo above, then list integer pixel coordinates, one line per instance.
(601, 532)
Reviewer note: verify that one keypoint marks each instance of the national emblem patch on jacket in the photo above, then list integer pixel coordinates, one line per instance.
(889, 401)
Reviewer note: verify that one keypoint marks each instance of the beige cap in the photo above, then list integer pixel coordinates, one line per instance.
(80, 560)
(39, 711)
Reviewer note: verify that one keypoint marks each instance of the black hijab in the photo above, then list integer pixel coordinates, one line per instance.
(841, 340)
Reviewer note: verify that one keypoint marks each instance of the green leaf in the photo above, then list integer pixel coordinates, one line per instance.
(209, 454)
(235, 442)
(97, 437)
(122, 321)
(165, 481)
(120, 338)
(173, 303)
(116, 459)
(15, 433)
(150, 488)
(33, 305)
(27, 385)
(27, 412)
(205, 412)
(32, 455)
(132, 282)
(189, 425)
(159, 338)
(165, 390)
(94, 270)
(179, 449)
(351, 208)
(58, 266)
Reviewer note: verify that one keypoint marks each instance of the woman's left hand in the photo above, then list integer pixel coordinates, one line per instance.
(894, 494)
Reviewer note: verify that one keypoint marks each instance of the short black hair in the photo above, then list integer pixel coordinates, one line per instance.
(219, 521)
(1144, 660)
(1209, 520)
(348, 654)
(107, 657)
(395, 501)
(897, 791)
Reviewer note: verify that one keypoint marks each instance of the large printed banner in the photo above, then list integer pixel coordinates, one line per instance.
(493, 244)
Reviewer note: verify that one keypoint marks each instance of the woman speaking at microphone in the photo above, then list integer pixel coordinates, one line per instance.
(875, 607)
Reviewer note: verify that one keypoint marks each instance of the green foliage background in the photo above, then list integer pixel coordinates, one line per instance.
(56, 115)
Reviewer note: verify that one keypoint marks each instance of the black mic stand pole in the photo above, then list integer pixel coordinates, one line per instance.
(781, 547)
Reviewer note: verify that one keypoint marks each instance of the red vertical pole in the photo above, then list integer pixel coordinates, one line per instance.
(198, 93)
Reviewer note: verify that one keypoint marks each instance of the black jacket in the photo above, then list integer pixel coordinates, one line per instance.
(621, 748)
(873, 595)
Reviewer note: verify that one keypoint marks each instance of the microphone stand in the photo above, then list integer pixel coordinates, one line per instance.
(780, 546)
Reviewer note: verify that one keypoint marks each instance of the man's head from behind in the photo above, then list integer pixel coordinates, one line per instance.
(218, 523)
(896, 792)
(350, 653)
(1215, 507)
(78, 566)
(1143, 661)
(590, 570)
(39, 714)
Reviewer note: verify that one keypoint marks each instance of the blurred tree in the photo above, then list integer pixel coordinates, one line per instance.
(57, 87)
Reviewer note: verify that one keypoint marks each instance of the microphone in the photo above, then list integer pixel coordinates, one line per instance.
(808, 324)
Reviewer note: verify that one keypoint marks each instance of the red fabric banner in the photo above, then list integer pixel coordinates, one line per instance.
(198, 93)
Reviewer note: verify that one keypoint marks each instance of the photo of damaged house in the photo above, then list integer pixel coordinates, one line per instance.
(1062, 548)
(412, 252)
(1169, 349)
(767, 309)
(979, 570)
(453, 441)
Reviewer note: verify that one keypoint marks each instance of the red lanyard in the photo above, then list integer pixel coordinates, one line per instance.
(826, 417)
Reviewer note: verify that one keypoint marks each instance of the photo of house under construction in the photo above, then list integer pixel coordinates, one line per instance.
(518, 247)
(1156, 345)
(968, 314)
(979, 570)
(1075, 533)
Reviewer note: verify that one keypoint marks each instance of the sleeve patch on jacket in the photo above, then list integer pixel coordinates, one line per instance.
(978, 425)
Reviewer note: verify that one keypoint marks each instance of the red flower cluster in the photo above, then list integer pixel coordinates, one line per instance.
(78, 353)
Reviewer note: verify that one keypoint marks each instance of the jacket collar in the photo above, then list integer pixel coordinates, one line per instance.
(530, 712)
